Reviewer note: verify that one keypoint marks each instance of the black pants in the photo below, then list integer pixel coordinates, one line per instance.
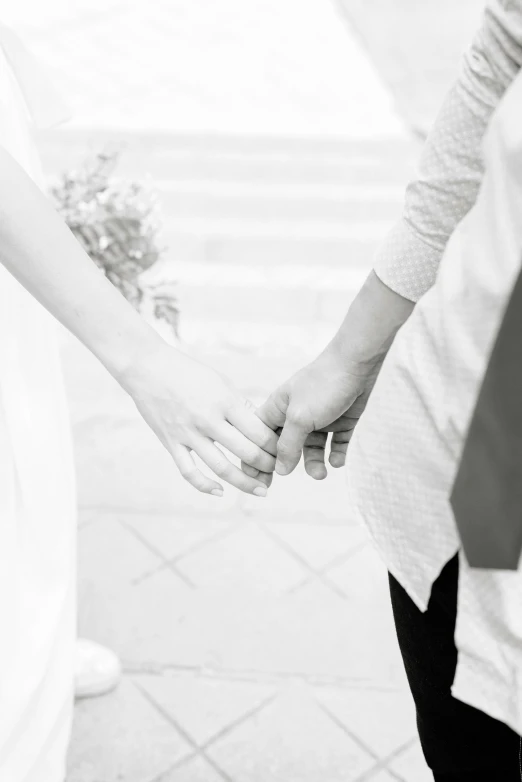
(460, 743)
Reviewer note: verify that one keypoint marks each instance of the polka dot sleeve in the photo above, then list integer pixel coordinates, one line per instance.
(450, 169)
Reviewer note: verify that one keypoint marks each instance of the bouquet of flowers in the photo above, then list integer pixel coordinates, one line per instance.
(117, 224)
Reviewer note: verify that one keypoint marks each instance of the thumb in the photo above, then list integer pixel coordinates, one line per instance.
(273, 411)
(291, 443)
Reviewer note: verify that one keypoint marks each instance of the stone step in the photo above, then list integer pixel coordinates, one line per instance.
(160, 142)
(296, 343)
(237, 159)
(310, 204)
(267, 305)
(254, 229)
(216, 247)
(183, 166)
(237, 293)
(263, 200)
(250, 241)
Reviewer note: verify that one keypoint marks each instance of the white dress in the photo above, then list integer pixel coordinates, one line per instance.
(37, 500)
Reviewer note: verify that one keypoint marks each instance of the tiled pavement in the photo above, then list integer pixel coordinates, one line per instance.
(246, 657)
(256, 635)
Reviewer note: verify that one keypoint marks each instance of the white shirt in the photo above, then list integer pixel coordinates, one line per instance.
(405, 450)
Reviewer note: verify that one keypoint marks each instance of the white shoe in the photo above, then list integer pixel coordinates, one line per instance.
(97, 669)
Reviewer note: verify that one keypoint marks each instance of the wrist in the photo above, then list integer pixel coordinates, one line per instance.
(126, 356)
(350, 359)
(370, 325)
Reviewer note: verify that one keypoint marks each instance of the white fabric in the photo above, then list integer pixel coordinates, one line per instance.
(405, 450)
(43, 102)
(37, 514)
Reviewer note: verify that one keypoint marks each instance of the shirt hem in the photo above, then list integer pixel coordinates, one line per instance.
(419, 594)
(488, 692)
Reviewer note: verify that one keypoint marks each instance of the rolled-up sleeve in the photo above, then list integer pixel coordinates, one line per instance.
(451, 165)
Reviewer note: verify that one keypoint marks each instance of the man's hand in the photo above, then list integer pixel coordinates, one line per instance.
(328, 395)
(314, 450)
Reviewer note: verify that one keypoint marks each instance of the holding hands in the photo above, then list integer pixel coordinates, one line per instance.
(190, 407)
(193, 409)
(330, 393)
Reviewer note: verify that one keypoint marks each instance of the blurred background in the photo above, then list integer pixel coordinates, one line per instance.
(253, 154)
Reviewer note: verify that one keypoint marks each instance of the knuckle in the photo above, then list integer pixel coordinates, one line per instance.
(202, 421)
(254, 456)
(284, 449)
(269, 441)
(316, 439)
(221, 468)
(269, 463)
(185, 473)
(298, 417)
(195, 478)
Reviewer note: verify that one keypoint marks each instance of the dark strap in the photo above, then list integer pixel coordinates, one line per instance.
(487, 493)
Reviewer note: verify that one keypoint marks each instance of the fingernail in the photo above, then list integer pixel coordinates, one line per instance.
(217, 492)
(260, 491)
(280, 468)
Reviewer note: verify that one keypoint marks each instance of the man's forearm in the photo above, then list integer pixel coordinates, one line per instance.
(370, 325)
(40, 251)
(446, 187)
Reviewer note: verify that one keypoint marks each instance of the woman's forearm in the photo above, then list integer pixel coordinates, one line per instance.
(191, 408)
(41, 252)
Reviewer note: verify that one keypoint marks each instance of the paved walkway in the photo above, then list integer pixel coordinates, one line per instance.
(256, 636)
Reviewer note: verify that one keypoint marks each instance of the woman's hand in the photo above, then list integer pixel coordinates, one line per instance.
(192, 408)
(189, 407)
